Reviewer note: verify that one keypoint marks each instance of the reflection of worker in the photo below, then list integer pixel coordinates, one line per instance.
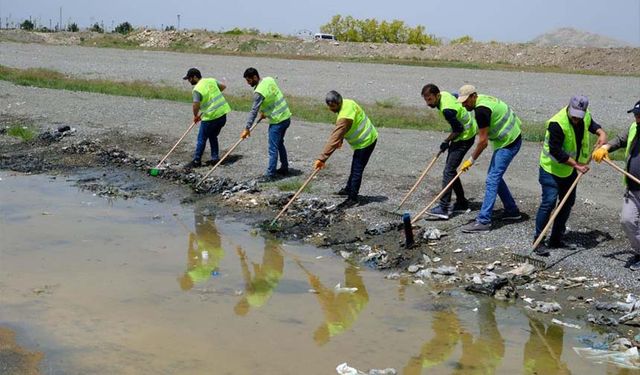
(341, 309)
(266, 276)
(446, 327)
(204, 254)
(543, 351)
(483, 355)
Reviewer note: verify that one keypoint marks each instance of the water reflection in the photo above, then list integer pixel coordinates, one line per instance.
(341, 309)
(204, 252)
(543, 350)
(265, 279)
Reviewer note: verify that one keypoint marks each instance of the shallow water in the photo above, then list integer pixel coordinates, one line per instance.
(141, 287)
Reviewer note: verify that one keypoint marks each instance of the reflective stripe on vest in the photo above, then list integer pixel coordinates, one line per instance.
(569, 145)
(504, 127)
(633, 131)
(274, 106)
(448, 101)
(362, 133)
(213, 104)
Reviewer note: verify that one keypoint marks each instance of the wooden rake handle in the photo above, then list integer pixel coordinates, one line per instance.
(176, 145)
(629, 175)
(304, 185)
(226, 154)
(557, 211)
(424, 210)
(422, 176)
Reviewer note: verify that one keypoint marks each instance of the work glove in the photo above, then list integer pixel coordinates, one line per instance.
(599, 154)
(444, 146)
(245, 134)
(318, 164)
(466, 165)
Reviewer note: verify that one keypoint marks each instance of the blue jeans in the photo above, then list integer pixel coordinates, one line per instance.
(209, 130)
(358, 163)
(276, 146)
(495, 184)
(554, 189)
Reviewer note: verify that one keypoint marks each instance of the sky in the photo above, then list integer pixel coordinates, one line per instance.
(486, 20)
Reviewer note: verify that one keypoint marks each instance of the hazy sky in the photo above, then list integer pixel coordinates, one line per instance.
(500, 20)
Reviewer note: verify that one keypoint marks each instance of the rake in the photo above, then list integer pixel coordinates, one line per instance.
(422, 176)
(304, 185)
(155, 171)
(629, 175)
(446, 188)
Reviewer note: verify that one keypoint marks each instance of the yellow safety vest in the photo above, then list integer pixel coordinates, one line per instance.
(504, 125)
(213, 104)
(548, 162)
(362, 132)
(448, 101)
(274, 105)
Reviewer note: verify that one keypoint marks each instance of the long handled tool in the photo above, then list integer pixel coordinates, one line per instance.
(156, 170)
(422, 176)
(537, 262)
(629, 175)
(226, 154)
(304, 185)
(446, 188)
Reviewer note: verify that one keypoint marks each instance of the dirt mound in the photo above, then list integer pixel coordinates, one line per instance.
(570, 37)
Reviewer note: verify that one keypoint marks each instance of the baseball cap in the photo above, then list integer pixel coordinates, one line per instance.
(635, 109)
(192, 72)
(578, 106)
(464, 92)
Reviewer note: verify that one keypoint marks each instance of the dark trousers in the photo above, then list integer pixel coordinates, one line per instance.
(553, 190)
(358, 163)
(209, 130)
(455, 155)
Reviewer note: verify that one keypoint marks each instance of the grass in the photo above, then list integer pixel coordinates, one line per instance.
(293, 186)
(22, 131)
(385, 113)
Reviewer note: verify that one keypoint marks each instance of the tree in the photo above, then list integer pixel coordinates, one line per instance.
(27, 25)
(170, 28)
(73, 27)
(124, 28)
(96, 28)
(462, 40)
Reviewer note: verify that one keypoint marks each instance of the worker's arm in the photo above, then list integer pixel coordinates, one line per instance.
(255, 108)
(336, 138)
(556, 139)
(595, 128)
(620, 141)
(456, 127)
(197, 98)
(221, 86)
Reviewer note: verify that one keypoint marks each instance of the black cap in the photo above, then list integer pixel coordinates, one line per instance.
(635, 109)
(193, 72)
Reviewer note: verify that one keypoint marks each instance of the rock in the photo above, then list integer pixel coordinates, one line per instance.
(548, 287)
(525, 269)
(457, 251)
(413, 268)
(444, 270)
(621, 344)
(433, 234)
(488, 288)
(631, 319)
(545, 307)
(379, 228)
(601, 320)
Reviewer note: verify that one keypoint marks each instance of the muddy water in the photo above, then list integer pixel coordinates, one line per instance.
(140, 287)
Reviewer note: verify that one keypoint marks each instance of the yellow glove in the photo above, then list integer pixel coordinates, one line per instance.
(245, 134)
(318, 164)
(599, 154)
(466, 165)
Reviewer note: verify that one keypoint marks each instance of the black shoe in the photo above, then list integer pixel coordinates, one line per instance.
(348, 203)
(342, 192)
(267, 178)
(193, 164)
(461, 206)
(282, 171)
(511, 216)
(212, 162)
(557, 244)
(542, 251)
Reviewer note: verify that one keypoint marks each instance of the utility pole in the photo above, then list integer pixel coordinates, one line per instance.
(178, 22)
(60, 24)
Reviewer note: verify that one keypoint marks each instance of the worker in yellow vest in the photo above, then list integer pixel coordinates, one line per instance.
(210, 108)
(565, 152)
(630, 216)
(500, 125)
(463, 133)
(355, 126)
(271, 103)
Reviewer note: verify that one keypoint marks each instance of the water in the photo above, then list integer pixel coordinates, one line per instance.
(124, 287)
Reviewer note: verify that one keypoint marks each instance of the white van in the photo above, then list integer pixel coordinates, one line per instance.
(321, 36)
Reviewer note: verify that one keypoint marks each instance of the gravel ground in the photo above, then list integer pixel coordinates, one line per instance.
(534, 96)
(147, 128)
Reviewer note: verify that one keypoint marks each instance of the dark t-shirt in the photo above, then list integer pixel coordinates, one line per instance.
(483, 118)
(450, 116)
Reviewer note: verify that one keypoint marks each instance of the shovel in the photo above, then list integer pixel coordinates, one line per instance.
(422, 176)
(156, 170)
(313, 174)
(446, 188)
(226, 154)
(537, 262)
(629, 175)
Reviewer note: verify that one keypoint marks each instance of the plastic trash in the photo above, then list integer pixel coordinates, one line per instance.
(628, 359)
(340, 289)
(561, 323)
(344, 369)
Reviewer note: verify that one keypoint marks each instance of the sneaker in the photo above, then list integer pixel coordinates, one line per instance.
(476, 227)
(511, 216)
(542, 251)
(282, 171)
(267, 178)
(634, 263)
(193, 164)
(342, 192)
(211, 162)
(348, 203)
(462, 206)
(439, 212)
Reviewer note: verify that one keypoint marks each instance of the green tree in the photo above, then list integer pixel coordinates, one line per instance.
(96, 28)
(27, 25)
(124, 28)
(462, 40)
(73, 27)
